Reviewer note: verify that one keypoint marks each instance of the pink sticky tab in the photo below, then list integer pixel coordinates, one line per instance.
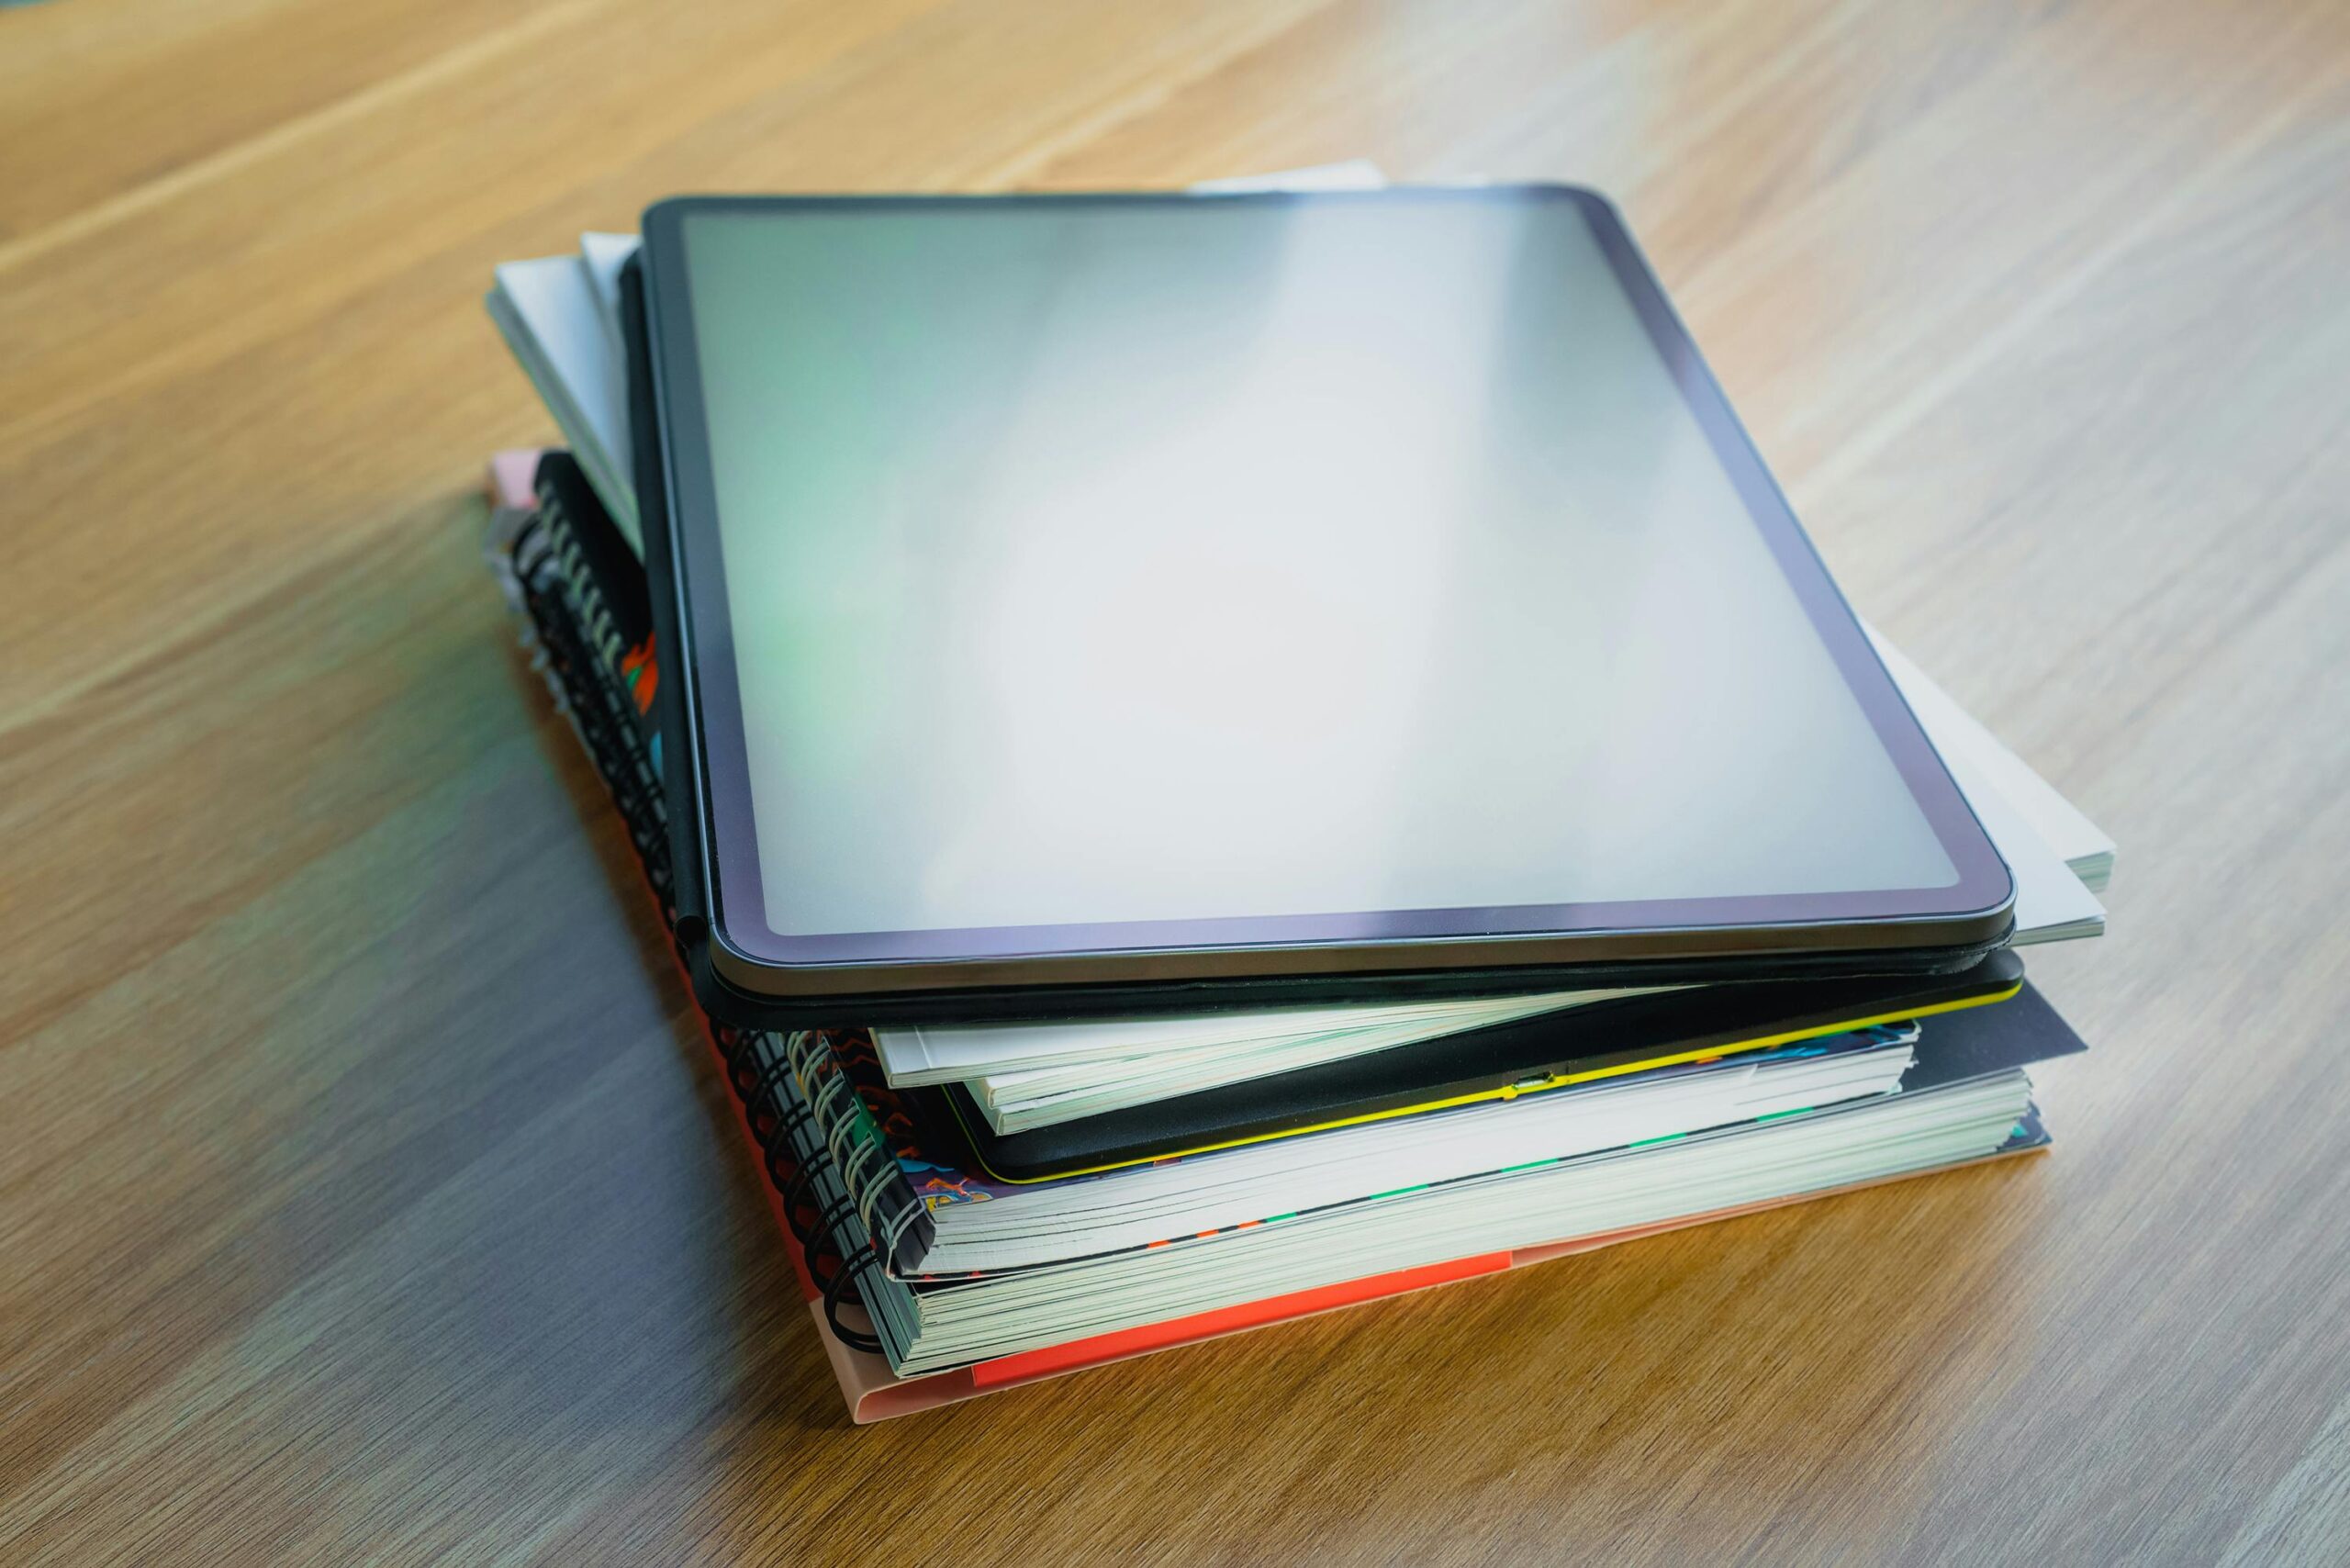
(511, 474)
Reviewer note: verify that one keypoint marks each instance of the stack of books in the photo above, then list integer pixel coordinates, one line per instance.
(977, 1206)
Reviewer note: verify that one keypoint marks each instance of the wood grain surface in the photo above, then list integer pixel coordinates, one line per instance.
(365, 1193)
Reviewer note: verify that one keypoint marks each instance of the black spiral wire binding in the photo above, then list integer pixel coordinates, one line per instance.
(860, 1144)
(558, 571)
(828, 1234)
(855, 1338)
(756, 1063)
(760, 1065)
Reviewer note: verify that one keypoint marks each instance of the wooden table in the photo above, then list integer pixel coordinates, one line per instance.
(364, 1191)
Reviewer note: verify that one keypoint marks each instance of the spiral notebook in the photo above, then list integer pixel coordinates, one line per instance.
(843, 1172)
(1961, 1096)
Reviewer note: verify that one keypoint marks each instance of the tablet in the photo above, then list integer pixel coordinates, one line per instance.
(1092, 597)
(1533, 1055)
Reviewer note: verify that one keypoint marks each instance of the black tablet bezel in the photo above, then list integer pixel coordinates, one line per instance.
(1970, 912)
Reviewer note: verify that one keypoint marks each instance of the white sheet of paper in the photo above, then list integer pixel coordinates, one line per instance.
(1354, 175)
(548, 311)
(604, 256)
(2060, 824)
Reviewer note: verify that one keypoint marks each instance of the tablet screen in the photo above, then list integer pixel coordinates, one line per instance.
(1093, 563)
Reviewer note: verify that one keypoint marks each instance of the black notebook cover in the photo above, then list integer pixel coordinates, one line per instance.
(1528, 1052)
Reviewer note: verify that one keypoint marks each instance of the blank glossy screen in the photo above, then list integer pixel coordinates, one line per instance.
(1128, 563)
